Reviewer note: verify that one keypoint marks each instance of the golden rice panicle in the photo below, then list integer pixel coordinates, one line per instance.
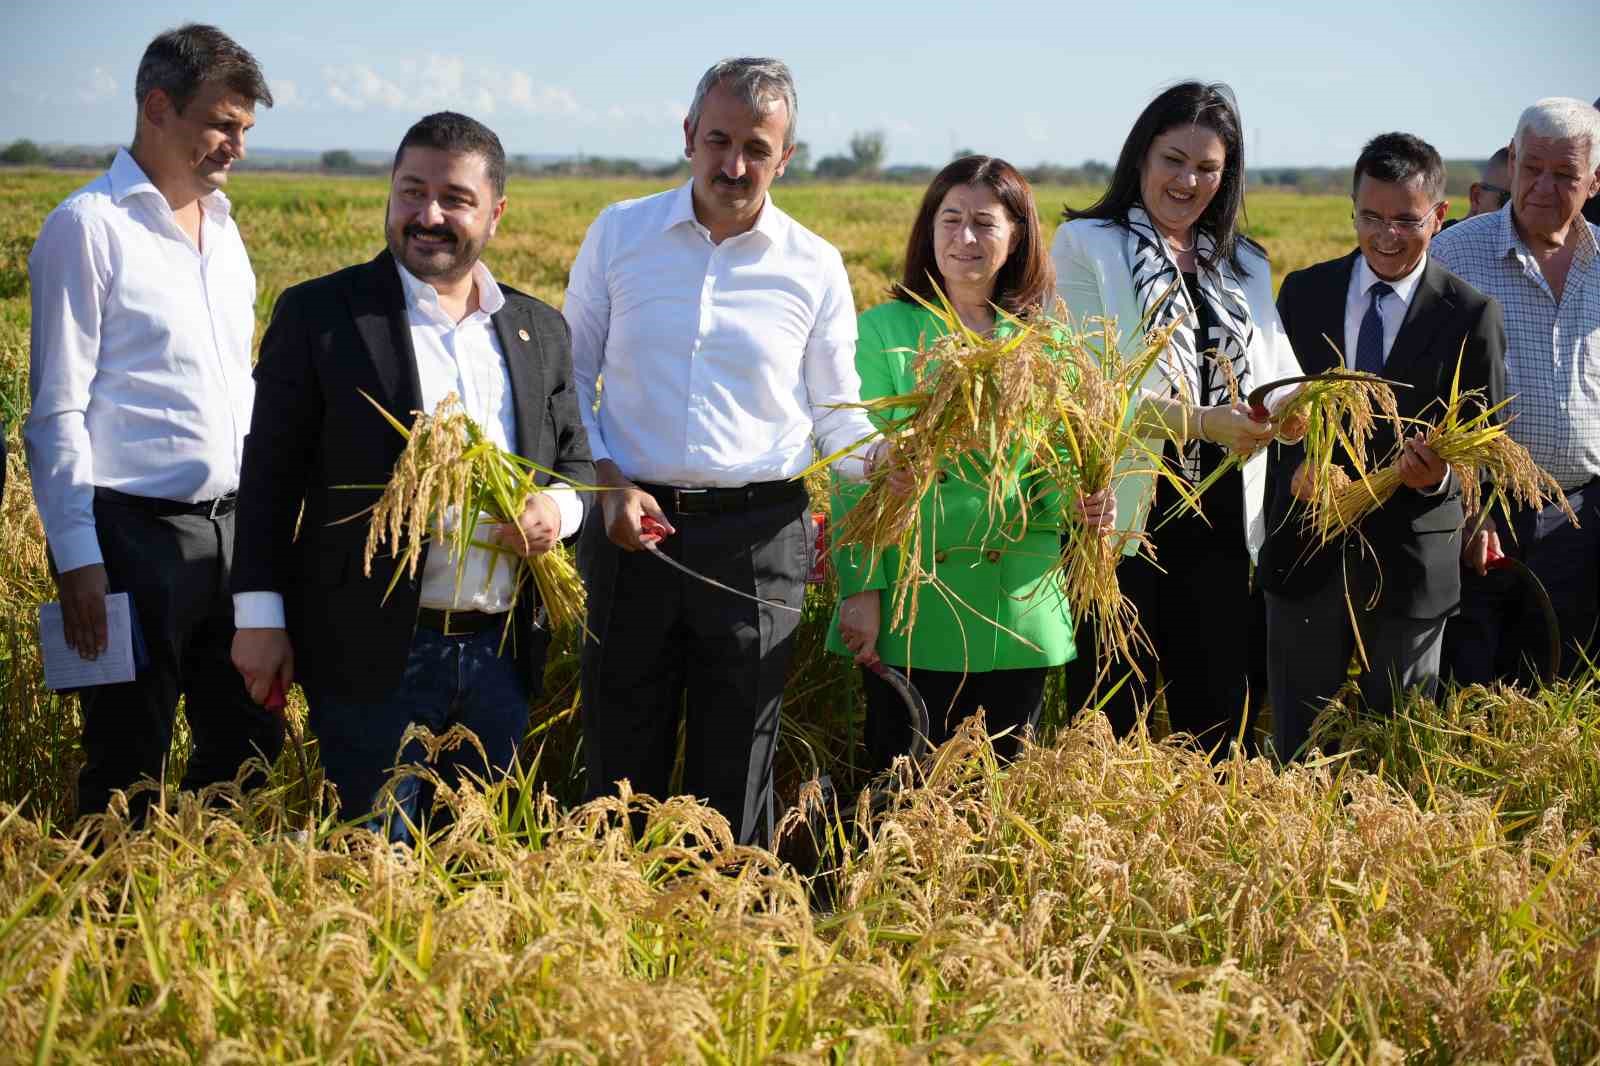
(1477, 449)
(427, 481)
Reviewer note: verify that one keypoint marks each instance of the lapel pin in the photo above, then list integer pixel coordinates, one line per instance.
(522, 333)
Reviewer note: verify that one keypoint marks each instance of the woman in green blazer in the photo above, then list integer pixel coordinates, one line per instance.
(977, 237)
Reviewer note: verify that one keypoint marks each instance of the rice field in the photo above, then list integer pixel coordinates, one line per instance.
(1432, 895)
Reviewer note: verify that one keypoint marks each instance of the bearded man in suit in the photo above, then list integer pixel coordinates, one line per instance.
(1389, 309)
(422, 320)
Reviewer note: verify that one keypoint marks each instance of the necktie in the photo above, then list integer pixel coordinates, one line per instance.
(1369, 342)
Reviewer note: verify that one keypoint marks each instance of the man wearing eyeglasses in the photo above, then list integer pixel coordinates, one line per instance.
(1389, 309)
(1489, 193)
(1541, 261)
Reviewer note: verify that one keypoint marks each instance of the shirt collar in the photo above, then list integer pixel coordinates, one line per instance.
(769, 223)
(421, 294)
(129, 179)
(1511, 241)
(1403, 287)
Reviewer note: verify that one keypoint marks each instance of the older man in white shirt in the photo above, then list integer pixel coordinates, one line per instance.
(724, 332)
(142, 315)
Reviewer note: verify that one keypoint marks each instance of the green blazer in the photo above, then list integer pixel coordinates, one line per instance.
(991, 575)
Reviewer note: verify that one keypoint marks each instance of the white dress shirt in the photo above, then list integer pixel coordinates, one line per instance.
(464, 358)
(1391, 309)
(139, 367)
(721, 362)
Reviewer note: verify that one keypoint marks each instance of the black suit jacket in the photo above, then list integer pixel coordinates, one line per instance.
(1415, 539)
(331, 339)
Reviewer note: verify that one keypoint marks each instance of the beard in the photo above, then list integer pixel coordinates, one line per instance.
(448, 260)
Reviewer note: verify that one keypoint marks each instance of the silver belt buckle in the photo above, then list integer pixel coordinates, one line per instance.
(217, 505)
(679, 494)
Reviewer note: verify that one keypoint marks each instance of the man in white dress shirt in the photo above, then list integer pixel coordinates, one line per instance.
(422, 320)
(725, 334)
(143, 306)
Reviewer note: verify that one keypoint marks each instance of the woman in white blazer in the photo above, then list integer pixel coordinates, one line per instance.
(1163, 243)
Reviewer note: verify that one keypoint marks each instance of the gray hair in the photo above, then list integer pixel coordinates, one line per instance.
(1562, 118)
(760, 83)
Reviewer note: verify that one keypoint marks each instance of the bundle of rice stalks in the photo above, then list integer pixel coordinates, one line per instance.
(1341, 414)
(1474, 445)
(1099, 433)
(448, 480)
(988, 399)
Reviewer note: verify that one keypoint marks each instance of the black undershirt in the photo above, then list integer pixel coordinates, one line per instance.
(1223, 502)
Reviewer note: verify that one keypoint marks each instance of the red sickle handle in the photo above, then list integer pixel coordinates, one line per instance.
(1259, 413)
(1497, 560)
(275, 697)
(652, 528)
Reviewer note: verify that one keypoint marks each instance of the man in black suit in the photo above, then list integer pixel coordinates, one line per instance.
(422, 320)
(1390, 310)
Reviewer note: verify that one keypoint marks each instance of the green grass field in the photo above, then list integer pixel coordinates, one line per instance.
(1431, 897)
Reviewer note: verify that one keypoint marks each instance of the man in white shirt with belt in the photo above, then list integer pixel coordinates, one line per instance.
(143, 308)
(422, 320)
(724, 333)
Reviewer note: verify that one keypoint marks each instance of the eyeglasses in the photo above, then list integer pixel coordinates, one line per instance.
(1504, 194)
(1368, 221)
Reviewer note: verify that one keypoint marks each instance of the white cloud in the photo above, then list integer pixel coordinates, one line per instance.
(357, 87)
(100, 86)
(438, 82)
(286, 93)
(522, 94)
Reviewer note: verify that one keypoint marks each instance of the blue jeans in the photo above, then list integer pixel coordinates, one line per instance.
(447, 681)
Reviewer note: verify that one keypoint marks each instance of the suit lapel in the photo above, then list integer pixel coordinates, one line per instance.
(378, 305)
(525, 364)
(1427, 312)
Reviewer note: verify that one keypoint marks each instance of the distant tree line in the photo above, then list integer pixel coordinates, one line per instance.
(864, 161)
(25, 153)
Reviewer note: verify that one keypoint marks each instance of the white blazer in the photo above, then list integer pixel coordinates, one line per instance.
(1094, 278)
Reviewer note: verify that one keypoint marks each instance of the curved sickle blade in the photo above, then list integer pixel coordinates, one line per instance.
(916, 706)
(1541, 596)
(1258, 395)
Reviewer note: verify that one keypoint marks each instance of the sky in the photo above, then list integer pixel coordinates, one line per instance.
(1029, 80)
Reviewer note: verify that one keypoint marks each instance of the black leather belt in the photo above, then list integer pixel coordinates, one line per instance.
(457, 623)
(220, 507)
(686, 501)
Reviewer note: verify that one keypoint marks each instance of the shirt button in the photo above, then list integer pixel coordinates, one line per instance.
(993, 555)
(940, 556)
(943, 477)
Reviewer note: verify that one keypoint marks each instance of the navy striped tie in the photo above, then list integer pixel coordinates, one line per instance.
(1369, 342)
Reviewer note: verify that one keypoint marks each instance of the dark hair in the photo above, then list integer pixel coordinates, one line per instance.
(1501, 157)
(180, 60)
(1026, 279)
(448, 131)
(1189, 103)
(1398, 158)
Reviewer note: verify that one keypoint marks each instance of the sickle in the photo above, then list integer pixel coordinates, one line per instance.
(1541, 596)
(916, 706)
(1258, 395)
(654, 531)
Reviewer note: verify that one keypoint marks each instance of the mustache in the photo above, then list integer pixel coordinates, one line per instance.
(735, 183)
(440, 232)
